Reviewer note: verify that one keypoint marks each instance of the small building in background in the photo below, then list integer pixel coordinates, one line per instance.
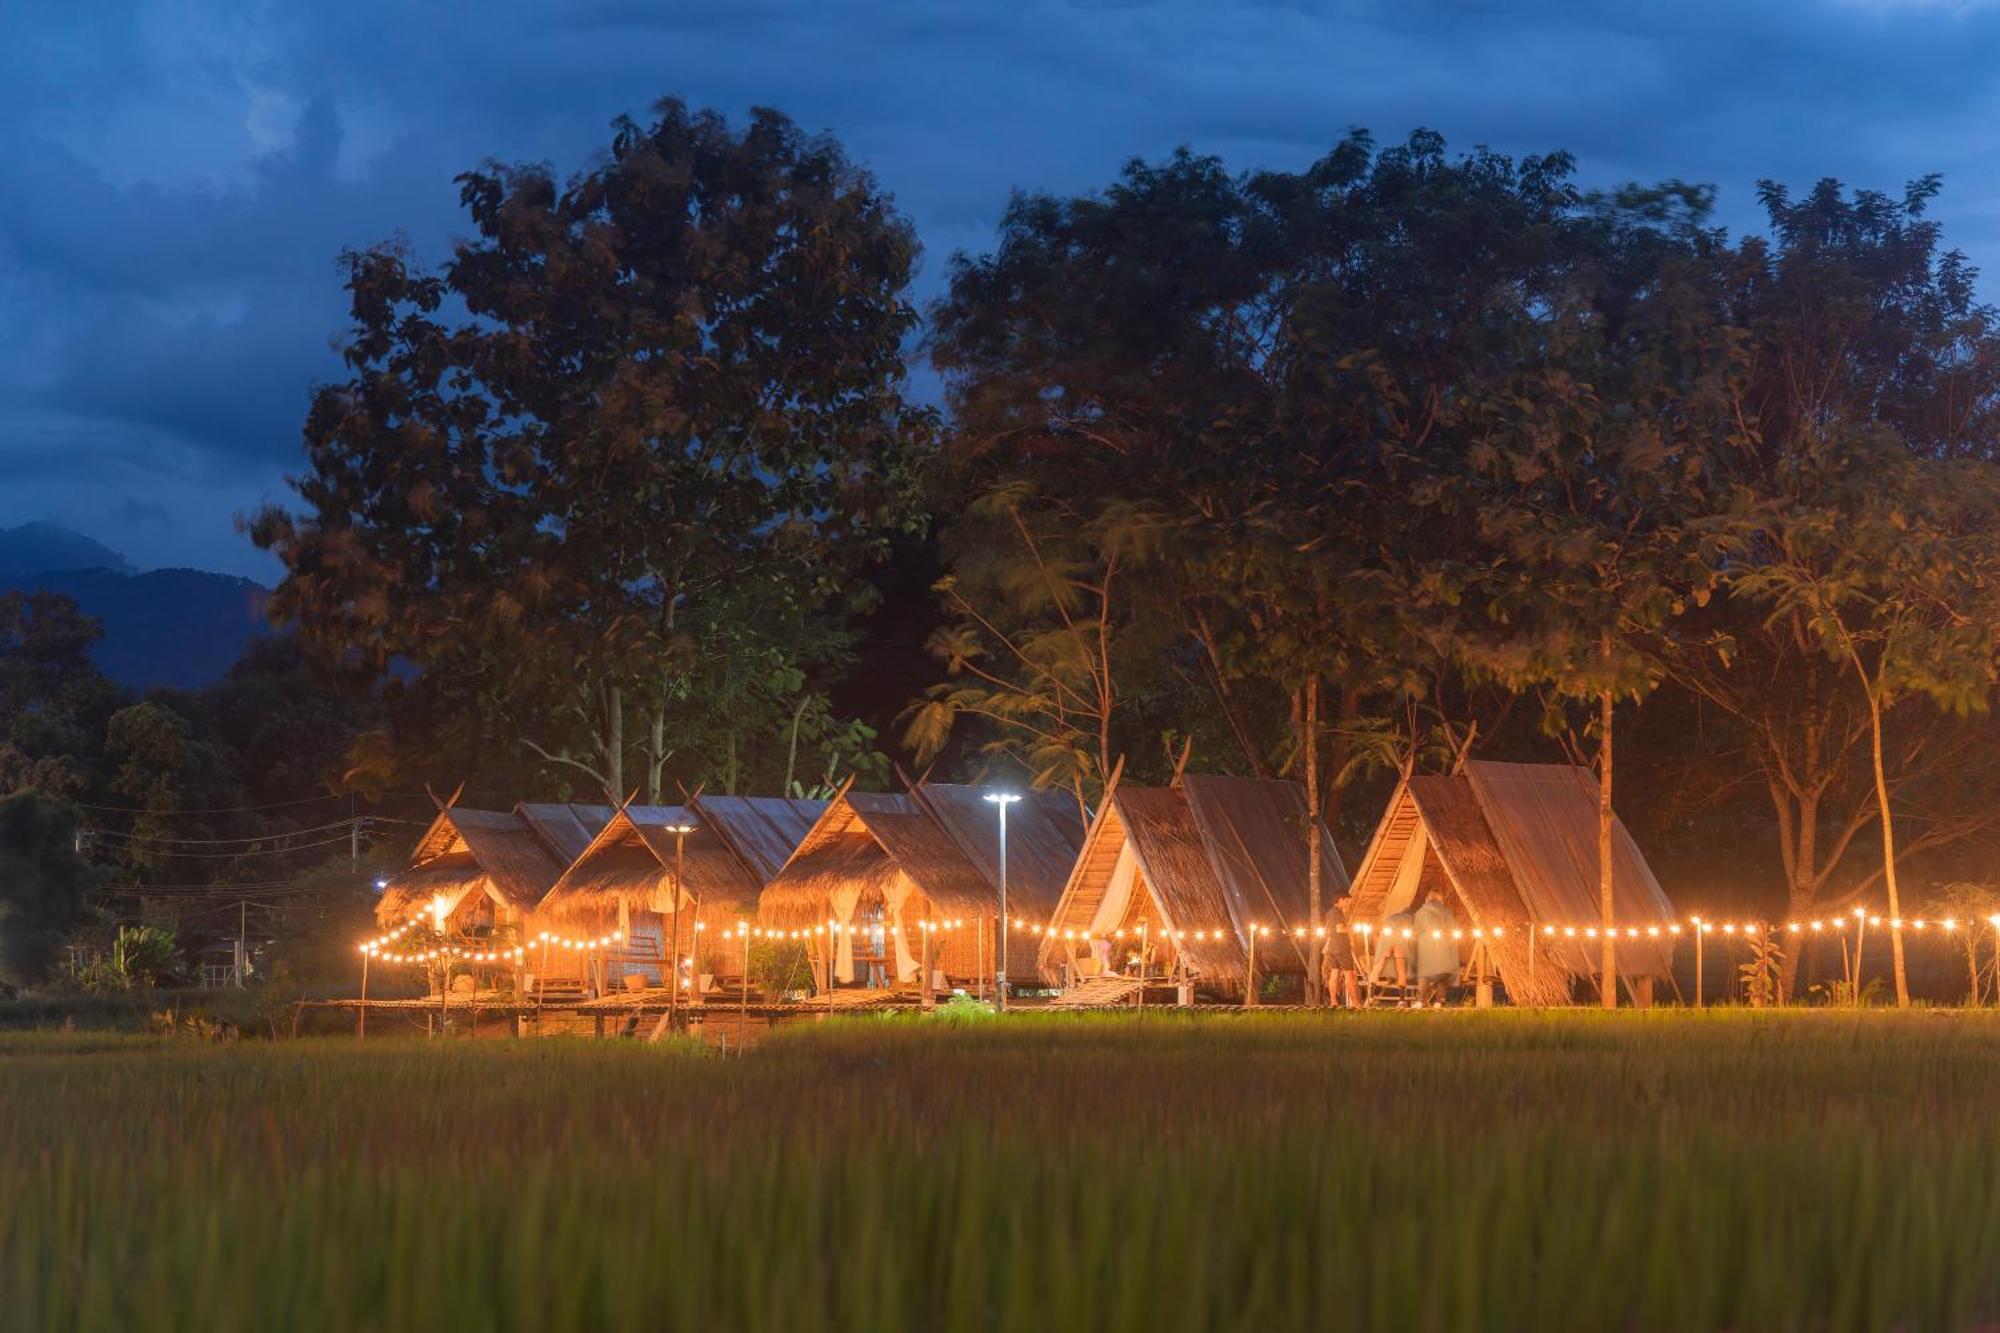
(478, 870)
(877, 866)
(1513, 848)
(1184, 874)
(625, 883)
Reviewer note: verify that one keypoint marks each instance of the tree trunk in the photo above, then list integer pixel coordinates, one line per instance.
(792, 752)
(656, 756)
(614, 742)
(1888, 847)
(1608, 971)
(1804, 892)
(1313, 909)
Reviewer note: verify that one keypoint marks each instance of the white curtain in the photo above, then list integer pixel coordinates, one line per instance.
(908, 966)
(844, 901)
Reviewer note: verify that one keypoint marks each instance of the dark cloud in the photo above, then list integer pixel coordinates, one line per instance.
(177, 176)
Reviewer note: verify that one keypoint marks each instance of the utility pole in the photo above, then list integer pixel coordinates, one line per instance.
(1002, 799)
(673, 977)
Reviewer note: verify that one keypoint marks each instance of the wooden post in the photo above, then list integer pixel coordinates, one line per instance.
(673, 973)
(520, 994)
(979, 956)
(444, 999)
(361, 1014)
(1142, 967)
(1483, 992)
(929, 996)
(1699, 997)
(826, 964)
(743, 1012)
(1860, 941)
(1250, 980)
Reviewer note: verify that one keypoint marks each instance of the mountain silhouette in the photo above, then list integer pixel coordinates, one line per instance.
(174, 627)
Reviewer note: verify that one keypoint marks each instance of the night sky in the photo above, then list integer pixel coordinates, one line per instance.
(177, 178)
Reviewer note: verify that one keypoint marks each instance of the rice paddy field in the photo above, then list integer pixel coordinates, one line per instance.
(1451, 1171)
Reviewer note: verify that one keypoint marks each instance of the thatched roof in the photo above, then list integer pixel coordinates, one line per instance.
(567, 829)
(847, 861)
(1213, 854)
(516, 866)
(1518, 845)
(1255, 833)
(1044, 835)
(763, 831)
(451, 875)
(940, 840)
(922, 849)
(633, 861)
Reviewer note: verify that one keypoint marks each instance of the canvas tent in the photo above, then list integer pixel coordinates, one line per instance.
(487, 867)
(880, 864)
(1514, 846)
(1198, 865)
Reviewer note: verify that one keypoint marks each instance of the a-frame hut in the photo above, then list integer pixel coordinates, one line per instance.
(623, 881)
(486, 868)
(1514, 846)
(878, 865)
(1197, 866)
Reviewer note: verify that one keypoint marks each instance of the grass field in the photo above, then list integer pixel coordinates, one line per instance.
(1448, 1171)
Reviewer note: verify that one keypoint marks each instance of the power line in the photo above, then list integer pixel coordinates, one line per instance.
(271, 805)
(213, 809)
(269, 851)
(128, 836)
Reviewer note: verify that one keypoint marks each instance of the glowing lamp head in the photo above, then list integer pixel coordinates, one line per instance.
(681, 830)
(1003, 799)
(440, 909)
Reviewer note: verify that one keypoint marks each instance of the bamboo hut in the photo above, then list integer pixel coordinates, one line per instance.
(1514, 846)
(1191, 870)
(877, 866)
(624, 881)
(478, 869)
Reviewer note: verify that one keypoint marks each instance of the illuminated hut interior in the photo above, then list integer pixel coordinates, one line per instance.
(623, 883)
(879, 865)
(1514, 847)
(1186, 872)
(477, 870)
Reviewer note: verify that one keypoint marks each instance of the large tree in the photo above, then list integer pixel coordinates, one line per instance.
(53, 699)
(1890, 563)
(1592, 476)
(1854, 331)
(44, 883)
(603, 476)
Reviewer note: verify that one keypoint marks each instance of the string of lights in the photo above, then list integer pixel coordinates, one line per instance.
(1657, 932)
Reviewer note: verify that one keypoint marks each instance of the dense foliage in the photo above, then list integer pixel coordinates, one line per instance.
(1338, 474)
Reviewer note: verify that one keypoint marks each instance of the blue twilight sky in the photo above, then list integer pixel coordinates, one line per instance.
(177, 177)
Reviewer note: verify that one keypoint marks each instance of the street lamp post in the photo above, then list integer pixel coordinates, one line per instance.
(673, 971)
(1002, 799)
